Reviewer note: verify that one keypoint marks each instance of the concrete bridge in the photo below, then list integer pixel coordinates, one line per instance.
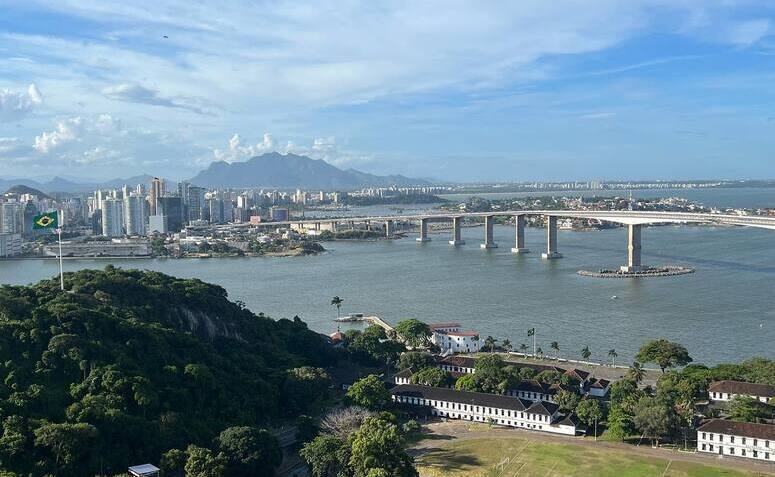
(634, 220)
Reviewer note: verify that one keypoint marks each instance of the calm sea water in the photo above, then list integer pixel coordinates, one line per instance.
(723, 312)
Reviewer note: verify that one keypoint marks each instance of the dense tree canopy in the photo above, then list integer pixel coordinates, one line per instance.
(664, 354)
(127, 365)
(413, 331)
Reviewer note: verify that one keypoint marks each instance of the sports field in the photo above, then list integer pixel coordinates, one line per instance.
(496, 457)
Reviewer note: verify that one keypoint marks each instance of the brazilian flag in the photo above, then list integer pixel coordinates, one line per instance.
(47, 220)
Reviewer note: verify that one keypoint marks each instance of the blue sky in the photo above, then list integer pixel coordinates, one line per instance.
(460, 91)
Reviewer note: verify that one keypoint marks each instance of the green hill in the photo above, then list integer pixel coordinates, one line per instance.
(130, 364)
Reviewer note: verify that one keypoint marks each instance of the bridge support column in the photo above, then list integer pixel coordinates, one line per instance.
(423, 231)
(389, 229)
(633, 249)
(489, 221)
(551, 239)
(333, 226)
(519, 227)
(457, 223)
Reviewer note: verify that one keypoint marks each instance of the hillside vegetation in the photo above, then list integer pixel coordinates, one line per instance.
(128, 365)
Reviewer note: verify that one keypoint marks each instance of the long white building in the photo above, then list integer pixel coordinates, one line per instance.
(727, 390)
(737, 439)
(488, 408)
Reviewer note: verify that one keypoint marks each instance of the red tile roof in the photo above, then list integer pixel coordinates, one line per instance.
(744, 429)
(740, 387)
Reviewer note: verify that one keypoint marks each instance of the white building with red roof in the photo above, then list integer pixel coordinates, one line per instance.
(451, 338)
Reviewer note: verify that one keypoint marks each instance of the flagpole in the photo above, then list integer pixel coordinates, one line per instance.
(61, 268)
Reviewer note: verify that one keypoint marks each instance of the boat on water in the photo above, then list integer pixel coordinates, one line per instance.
(350, 317)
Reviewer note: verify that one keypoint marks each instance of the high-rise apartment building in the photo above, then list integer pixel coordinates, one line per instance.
(112, 218)
(135, 215)
(157, 191)
(172, 209)
(11, 218)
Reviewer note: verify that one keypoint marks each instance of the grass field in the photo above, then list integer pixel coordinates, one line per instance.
(483, 457)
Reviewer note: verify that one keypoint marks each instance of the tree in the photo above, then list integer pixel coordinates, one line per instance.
(203, 462)
(305, 388)
(369, 392)
(342, 422)
(415, 360)
(467, 383)
(664, 353)
(748, 409)
(624, 394)
(618, 424)
(652, 418)
(612, 354)
(506, 344)
(523, 348)
(70, 444)
(490, 343)
(539, 352)
(249, 451)
(337, 302)
(556, 347)
(589, 412)
(567, 400)
(323, 456)
(414, 332)
(431, 376)
(585, 352)
(378, 444)
(636, 372)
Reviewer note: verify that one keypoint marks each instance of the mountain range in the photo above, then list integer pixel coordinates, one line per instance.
(290, 170)
(271, 170)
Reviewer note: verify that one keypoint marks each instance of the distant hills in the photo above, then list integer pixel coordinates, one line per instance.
(290, 170)
(271, 170)
(59, 184)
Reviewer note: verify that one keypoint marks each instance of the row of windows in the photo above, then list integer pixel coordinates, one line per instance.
(731, 451)
(505, 422)
(709, 436)
(472, 408)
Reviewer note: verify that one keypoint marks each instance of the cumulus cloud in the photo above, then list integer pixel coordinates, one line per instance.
(238, 151)
(103, 142)
(322, 148)
(135, 93)
(15, 104)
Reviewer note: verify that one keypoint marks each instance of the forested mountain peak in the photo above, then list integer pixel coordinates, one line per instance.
(129, 364)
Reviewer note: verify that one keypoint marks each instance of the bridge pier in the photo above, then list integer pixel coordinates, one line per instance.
(423, 231)
(457, 223)
(633, 249)
(551, 239)
(389, 228)
(489, 221)
(519, 226)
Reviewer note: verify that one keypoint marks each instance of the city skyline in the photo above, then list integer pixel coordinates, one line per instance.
(646, 90)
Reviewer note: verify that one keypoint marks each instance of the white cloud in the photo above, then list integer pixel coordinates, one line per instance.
(322, 148)
(237, 151)
(66, 131)
(135, 93)
(14, 105)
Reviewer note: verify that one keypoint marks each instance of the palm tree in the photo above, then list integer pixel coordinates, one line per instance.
(636, 372)
(523, 348)
(490, 341)
(613, 354)
(585, 352)
(506, 344)
(539, 352)
(556, 347)
(337, 302)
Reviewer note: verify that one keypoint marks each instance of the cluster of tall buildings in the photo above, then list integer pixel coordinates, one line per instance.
(158, 209)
